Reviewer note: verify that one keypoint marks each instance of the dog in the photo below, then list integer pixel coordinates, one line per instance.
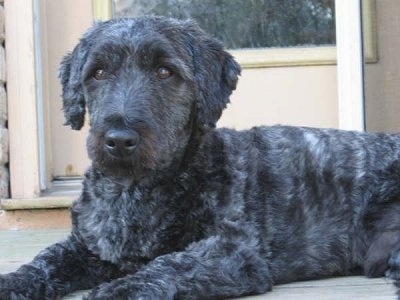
(173, 208)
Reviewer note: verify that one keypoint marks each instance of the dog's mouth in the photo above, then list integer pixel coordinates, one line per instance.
(134, 165)
(122, 152)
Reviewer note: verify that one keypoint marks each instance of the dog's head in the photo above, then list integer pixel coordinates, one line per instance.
(147, 83)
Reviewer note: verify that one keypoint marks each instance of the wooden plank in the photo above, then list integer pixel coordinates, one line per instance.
(37, 203)
(38, 219)
(343, 288)
(19, 247)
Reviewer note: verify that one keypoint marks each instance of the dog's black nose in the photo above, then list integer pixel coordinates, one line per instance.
(121, 142)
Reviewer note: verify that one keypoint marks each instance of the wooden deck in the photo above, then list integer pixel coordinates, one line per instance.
(18, 247)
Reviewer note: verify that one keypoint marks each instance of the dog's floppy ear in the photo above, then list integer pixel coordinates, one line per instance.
(216, 74)
(70, 74)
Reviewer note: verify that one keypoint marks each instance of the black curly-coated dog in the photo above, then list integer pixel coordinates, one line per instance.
(173, 208)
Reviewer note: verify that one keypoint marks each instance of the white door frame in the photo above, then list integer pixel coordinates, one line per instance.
(22, 101)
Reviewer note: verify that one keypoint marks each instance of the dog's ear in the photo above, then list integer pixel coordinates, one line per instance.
(216, 74)
(70, 74)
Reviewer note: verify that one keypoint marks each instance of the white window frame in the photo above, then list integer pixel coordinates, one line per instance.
(22, 90)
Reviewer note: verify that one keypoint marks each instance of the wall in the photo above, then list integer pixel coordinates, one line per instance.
(302, 96)
(382, 79)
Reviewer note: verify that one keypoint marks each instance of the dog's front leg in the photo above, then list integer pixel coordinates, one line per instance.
(54, 272)
(215, 268)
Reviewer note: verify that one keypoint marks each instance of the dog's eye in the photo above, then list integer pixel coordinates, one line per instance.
(100, 74)
(163, 73)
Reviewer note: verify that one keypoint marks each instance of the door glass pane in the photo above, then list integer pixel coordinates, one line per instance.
(247, 23)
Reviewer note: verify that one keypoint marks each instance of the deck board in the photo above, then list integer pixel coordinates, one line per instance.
(18, 247)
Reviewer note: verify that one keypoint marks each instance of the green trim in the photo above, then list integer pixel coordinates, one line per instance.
(102, 9)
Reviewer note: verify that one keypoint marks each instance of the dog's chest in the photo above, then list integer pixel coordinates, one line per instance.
(126, 230)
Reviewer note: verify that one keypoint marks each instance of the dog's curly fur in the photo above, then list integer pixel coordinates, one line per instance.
(188, 211)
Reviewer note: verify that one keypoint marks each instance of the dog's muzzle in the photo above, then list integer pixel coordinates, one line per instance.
(121, 143)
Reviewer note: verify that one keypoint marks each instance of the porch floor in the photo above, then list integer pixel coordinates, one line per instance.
(19, 246)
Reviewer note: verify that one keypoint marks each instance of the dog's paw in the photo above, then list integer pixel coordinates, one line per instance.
(394, 266)
(6, 288)
(129, 288)
(9, 289)
(394, 269)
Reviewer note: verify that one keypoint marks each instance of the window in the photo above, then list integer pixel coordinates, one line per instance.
(283, 32)
(247, 24)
